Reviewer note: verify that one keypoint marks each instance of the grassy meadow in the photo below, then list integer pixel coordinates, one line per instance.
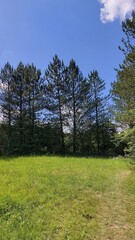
(55, 198)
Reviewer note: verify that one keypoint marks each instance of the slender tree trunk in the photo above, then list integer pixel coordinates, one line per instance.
(74, 120)
(33, 118)
(9, 120)
(97, 128)
(61, 126)
(21, 119)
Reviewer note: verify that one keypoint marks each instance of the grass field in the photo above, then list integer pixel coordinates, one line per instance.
(53, 198)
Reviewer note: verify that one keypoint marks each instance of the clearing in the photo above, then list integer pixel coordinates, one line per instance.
(55, 198)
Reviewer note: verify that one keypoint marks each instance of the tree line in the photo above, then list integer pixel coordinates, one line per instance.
(60, 112)
(63, 112)
(123, 90)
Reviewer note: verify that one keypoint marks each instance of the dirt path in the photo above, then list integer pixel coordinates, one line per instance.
(114, 212)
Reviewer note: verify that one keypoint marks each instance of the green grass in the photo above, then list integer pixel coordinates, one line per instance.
(55, 198)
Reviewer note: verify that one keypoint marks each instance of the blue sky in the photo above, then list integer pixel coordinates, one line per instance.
(89, 31)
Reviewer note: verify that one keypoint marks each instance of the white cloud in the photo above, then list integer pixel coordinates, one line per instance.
(114, 9)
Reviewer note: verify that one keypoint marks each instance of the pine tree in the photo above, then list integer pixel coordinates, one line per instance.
(76, 100)
(7, 102)
(96, 107)
(54, 89)
(123, 89)
(26, 104)
(32, 101)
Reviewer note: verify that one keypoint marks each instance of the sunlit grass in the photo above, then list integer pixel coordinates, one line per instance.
(61, 198)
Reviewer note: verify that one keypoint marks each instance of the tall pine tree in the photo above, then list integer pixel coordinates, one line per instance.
(7, 103)
(54, 89)
(96, 107)
(123, 90)
(75, 101)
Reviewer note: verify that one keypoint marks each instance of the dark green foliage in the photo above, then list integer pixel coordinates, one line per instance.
(76, 102)
(99, 130)
(123, 89)
(27, 98)
(4, 141)
(19, 106)
(7, 103)
(54, 89)
(61, 113)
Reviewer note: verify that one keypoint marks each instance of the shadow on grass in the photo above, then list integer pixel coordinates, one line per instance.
(77, 156)
(8, 158)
